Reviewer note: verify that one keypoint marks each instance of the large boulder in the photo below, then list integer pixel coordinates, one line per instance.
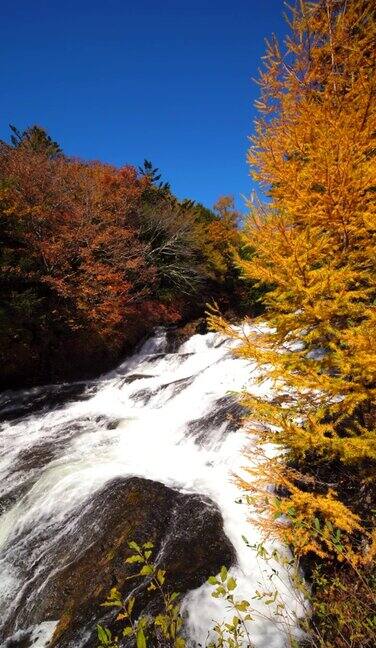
(189, 543)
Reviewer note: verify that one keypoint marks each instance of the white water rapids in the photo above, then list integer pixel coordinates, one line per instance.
(153, 439)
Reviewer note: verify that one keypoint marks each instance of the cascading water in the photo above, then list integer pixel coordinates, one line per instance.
(169, 422)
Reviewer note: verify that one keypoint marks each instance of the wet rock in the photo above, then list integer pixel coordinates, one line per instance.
(113, 424)
(187, 531)
(19, 640)
(226, 416)
(154, 357)
(220, 343)
(36, 636)
(37, 456)
(28, 463)
(183, 356)
(137, 376)
(144, 395)
(16, 404)
(13, 495)
(177, 335)
(176, 386)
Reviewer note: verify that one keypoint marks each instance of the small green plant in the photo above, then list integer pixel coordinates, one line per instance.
(165, 626)
(233, 634)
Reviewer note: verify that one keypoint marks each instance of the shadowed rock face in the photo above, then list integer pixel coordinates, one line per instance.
(225, 417)
(187, 531)
(42, 399)
(177, 335)
(145, 395)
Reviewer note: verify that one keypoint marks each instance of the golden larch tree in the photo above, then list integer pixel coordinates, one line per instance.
(313, 245)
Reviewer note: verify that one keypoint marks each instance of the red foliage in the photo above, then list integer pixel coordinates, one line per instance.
(69, 234)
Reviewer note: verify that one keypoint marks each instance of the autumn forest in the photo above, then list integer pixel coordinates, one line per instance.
(94, 257)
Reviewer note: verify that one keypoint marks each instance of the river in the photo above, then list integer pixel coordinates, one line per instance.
(165, 414)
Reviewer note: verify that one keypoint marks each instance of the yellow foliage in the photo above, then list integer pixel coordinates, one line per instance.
(314, 248)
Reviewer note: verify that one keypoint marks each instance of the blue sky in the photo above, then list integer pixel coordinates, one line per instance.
(120, 81)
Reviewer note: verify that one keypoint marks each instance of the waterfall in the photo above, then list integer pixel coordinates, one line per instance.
(170, 417)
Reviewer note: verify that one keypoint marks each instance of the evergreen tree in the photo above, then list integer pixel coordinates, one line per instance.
(36, 139)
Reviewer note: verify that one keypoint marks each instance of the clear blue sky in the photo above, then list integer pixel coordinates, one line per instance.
(121, 81)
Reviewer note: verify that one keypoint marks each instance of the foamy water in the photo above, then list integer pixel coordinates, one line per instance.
(157, 402)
